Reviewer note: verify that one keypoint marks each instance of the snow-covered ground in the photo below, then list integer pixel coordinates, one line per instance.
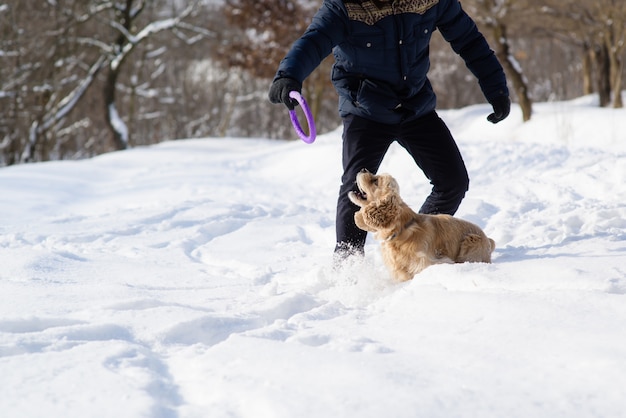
(193, 279)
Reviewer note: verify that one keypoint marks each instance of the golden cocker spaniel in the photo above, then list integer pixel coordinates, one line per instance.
(411, 241)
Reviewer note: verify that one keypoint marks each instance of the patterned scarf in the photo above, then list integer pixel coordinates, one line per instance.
(371, 11)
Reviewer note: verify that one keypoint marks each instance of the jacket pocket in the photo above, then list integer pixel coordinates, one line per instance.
(368, 47)
(422, 34)
(375, 96)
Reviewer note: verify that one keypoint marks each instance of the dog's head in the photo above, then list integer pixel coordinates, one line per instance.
(379, 199)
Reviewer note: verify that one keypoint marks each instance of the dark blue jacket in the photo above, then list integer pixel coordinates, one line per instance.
(381, 54)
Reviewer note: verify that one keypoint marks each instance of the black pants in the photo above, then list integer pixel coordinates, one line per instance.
(428, 141)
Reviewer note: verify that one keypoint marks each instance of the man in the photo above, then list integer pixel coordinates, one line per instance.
(381, 56)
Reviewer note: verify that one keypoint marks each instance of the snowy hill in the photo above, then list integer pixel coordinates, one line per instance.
(193, 279)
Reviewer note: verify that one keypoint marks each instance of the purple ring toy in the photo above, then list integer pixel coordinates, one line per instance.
(309, 118)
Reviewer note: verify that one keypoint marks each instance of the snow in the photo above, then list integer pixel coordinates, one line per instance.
(194, 279)
(118, 123)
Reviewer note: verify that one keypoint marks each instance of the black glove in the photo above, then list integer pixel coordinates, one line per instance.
(279, 91)
(501, 108)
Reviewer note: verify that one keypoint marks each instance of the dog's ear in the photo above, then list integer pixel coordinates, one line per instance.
(381, 214)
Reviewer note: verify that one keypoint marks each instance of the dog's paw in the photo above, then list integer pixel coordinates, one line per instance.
(358, 198)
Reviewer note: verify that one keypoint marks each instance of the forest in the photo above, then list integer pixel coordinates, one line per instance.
(79, 78)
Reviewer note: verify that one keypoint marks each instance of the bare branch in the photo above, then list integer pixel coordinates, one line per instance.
(149, 30)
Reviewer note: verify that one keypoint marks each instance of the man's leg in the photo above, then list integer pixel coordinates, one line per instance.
(364, 146)
(431, 145)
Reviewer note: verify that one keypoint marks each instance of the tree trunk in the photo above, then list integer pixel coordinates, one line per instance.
(616, 79)
(119, 130)
(512, 68)
(603, 77)
(587, 62)
(119, 133)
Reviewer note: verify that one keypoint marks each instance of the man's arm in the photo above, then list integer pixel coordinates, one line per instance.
(463, 35)
(327, 29)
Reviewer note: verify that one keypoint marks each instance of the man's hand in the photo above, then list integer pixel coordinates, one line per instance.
(279, 91)
(501, 108)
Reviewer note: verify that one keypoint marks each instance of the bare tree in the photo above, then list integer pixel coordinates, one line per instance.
(36, 75)
(52, 54)
(498, 16)
(123, 18)
(598, 27)
(611, 14)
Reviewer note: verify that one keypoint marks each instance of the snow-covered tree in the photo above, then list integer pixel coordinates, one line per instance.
(123, 18)
(53, 53)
